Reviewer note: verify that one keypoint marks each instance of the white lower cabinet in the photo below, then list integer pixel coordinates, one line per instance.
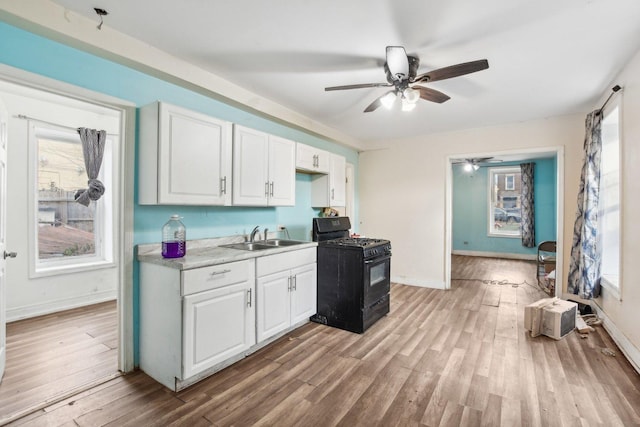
(195, 320)
(286, 286)
(198, 321)
(218, 324)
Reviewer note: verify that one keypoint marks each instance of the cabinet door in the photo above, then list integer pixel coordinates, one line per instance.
(194, 158)
(338, 181)
(217, 325)
(282, 172)
(311, 159)
(303, 296)
(250, 167)
(273, 307)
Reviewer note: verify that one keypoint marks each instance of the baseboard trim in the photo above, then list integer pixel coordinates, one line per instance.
(40, 309)
(527, 257)
(631, 352)
(418, 282)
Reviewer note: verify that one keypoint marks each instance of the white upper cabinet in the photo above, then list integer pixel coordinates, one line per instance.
(330, 190)
(311, 159)
(184, 157)
(338, 181)
(263, 169)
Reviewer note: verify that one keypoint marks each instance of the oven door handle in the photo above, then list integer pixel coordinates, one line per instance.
(378, 259)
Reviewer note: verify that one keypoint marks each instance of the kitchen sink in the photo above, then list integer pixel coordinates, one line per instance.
(282, 242)
(262, 244)
(248, 246)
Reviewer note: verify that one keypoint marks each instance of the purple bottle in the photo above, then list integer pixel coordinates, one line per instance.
(174, 238)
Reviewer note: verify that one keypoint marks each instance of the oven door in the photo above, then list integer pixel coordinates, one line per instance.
(377, 278)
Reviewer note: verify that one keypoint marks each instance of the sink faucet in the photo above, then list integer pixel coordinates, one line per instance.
(266, 230)
(252, 236)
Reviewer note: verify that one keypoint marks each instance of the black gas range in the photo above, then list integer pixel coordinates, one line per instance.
(353, 276)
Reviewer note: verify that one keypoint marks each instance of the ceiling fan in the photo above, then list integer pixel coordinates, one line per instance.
(473, 163)
(401, 70)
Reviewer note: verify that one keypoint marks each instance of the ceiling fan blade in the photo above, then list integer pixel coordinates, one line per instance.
(357, 86)
(453, 71)
(397, 62)
(431, 94)
(377, 103)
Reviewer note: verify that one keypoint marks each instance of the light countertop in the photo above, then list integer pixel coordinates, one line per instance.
(207, 252)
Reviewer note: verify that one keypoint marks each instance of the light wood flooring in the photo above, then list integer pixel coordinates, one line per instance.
(51, 356)
(440, 358)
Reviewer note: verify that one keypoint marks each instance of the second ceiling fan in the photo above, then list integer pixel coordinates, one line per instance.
(402, 75)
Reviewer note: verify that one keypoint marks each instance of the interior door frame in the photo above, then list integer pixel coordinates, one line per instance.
(558, 151)
(127, 163)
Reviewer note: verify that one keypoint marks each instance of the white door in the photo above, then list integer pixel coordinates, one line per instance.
(217, 325)
(304, 295)
(273, 304)
(282, 172)
(337, 178)
(250, 167)
(3, 210)
(195, 158)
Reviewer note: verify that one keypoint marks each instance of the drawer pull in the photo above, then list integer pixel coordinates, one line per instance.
(249, 302)
(217, 273)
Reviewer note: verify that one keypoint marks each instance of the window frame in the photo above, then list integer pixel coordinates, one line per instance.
(491, 172)
(613, 284)
(104, 228)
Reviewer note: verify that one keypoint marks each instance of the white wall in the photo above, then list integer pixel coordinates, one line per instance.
(402, 188)
(623, 316)
(25, 296)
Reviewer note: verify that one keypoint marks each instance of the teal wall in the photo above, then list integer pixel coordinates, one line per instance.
(30, 52)
(470, 210)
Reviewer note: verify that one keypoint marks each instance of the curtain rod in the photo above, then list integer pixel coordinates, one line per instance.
(24, 117)
(614, 89)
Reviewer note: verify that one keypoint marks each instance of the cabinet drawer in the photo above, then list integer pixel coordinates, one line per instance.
(216, 276)
(285, 261)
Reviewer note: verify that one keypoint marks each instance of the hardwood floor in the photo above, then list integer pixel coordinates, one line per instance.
(440, 358)
(49, 357)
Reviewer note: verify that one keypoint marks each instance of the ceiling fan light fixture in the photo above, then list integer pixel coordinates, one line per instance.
(411, 95)
(406, 105)
(468, 167)
(388, 100)
(475, 167)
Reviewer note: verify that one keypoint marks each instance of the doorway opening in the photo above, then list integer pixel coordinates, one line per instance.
(475, 234)
(68, 293)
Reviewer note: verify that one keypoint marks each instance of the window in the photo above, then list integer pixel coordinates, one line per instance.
(504, 202)
(67, 234)
(509, 182)
(609, 201)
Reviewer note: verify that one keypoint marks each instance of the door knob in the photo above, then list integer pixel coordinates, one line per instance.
(10, 254)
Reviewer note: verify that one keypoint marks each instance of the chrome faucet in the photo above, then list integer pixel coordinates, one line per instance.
(266, 230)
(252, 236)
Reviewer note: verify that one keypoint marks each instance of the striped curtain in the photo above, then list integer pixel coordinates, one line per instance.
(527, 222)
(584, 264)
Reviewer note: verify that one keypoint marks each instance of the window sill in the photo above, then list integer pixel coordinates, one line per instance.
(508, 236)
(45, 271)
(611, 285)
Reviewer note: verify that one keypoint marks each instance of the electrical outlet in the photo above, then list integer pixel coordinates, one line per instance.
(281, 228)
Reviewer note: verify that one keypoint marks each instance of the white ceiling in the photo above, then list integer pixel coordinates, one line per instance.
(546, 57)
